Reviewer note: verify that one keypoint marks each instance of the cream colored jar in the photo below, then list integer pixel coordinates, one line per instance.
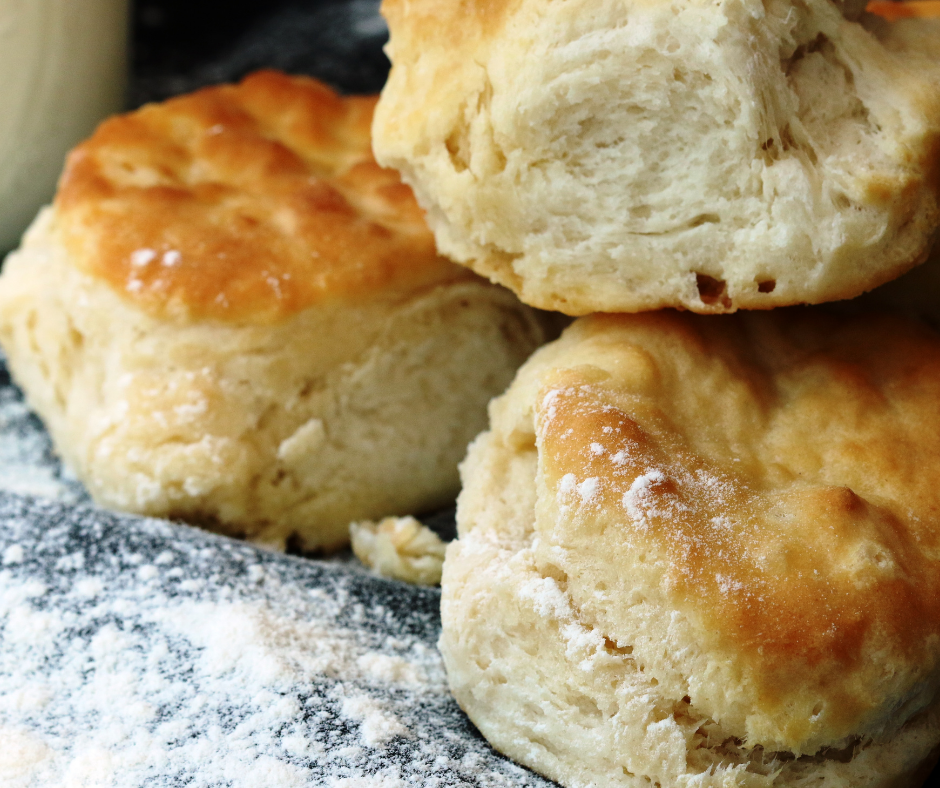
(63, 67)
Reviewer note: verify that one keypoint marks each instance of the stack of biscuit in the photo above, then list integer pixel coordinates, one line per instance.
(693, 549)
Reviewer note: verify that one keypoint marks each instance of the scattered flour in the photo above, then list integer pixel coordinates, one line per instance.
(582, 644)
(138, 653)
(383, 668)
(728, 584)
(28, 465)
(171, 258)
(142, 257)
(588, 489)
(638, 500)
(549, 409)
(13, 555)
(378, 725)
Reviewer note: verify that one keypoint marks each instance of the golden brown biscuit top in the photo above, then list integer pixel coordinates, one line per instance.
(244, 202)
(911, 9)
(778, 476)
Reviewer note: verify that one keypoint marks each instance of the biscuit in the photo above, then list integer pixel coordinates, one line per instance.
(705, 551)
(400, 548)
(232, 316)
(628, 155)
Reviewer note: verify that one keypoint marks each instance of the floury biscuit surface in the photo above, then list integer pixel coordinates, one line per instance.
(628, 155)
(704, 551)
(232, 316)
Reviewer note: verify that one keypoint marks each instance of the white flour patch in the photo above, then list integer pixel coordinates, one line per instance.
(638, 500)
(378, 726)
(137, 653)
(13, 555)
(386, 669)
(582, 644)
(28, 465)
(588, 489)
(142, 257)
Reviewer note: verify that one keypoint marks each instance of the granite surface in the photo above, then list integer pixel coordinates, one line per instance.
(137, 652)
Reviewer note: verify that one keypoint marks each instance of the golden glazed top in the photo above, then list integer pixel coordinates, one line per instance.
(244, 202)
(774, 478)
(912, 9)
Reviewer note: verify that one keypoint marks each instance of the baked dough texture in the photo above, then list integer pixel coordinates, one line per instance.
(400, 548)
(704, 551)
(628, 155)
(232, 316)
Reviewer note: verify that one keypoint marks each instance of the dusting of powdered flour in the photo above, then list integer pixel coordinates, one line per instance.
(28, 465)
(136, 653)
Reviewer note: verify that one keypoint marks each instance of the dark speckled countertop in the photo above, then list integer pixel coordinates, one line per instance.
(180, 45)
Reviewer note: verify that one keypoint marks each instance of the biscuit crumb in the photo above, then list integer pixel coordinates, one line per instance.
(400, 548)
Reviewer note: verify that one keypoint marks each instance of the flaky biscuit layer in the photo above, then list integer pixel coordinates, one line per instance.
(628, 155)
(713, 545)
(268, 431)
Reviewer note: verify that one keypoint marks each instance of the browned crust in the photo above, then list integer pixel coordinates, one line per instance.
(263, 197)
(818, 570)
(912, 9)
